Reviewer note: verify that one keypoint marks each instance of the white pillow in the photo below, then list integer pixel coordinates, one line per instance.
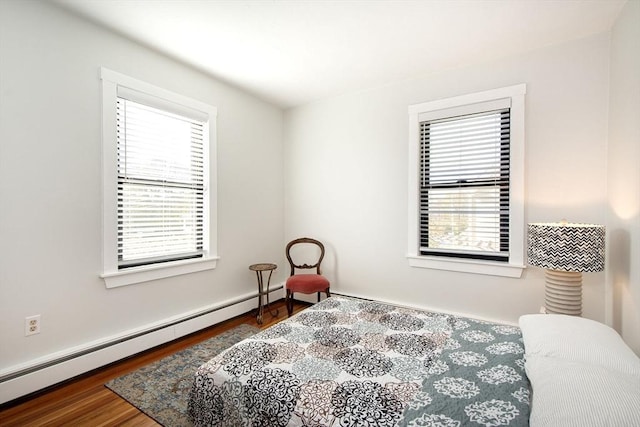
(569, 394)
(577, 339)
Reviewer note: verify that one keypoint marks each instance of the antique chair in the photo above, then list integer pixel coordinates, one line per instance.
(304, 283)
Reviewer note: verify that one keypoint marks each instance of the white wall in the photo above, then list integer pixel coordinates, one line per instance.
(623, 225)
(346, 177)
(50, 185)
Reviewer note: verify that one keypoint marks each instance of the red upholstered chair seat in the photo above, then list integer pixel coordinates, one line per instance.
(307, 283)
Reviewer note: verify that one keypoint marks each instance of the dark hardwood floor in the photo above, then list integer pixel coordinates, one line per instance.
(85, 401)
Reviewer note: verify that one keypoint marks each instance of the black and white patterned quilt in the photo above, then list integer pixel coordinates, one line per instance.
(352, 362)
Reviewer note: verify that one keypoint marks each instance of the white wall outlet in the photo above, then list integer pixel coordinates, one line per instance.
(31, 325)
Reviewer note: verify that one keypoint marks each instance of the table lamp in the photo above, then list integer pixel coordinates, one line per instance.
(565, 251)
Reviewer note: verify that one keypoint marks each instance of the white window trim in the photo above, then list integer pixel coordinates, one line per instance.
(516, 217)
(113, 277)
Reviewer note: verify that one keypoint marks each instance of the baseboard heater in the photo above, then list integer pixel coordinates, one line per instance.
(37, 367)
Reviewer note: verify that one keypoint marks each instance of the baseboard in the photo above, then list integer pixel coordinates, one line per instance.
(34, 375)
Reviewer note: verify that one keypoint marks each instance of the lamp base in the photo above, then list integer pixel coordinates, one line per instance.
(563, 292)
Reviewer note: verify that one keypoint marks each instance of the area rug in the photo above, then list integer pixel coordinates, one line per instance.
(161, 389)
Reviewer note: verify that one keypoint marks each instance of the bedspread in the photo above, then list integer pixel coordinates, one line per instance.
(352, 362)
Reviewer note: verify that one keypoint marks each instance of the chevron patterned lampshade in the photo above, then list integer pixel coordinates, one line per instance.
(565, 250)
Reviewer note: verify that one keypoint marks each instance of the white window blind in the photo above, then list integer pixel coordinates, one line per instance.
(160, 184)
(464, 186)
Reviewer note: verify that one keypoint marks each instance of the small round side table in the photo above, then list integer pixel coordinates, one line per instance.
(259, 269)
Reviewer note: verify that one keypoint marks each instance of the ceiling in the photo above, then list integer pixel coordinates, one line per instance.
(292, 52)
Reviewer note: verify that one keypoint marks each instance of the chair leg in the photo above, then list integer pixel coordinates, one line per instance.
(326, 292)
(289, 302)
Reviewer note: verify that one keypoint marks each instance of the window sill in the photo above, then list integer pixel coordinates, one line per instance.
(467, 266)
(135, 275)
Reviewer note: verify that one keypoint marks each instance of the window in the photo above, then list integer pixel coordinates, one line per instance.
(160, 185)
(464, 186)
(157, 151)
(466, 166)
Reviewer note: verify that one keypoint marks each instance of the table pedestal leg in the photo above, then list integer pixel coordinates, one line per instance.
(260, 294)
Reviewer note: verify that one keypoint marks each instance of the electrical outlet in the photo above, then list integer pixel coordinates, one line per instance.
(31, 325)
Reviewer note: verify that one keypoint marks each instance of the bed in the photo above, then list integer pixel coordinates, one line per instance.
(352, 362)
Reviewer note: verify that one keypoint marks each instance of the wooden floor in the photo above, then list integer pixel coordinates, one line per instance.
(85, 401)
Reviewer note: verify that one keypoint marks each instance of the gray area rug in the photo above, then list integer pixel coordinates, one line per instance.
(161, 389)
